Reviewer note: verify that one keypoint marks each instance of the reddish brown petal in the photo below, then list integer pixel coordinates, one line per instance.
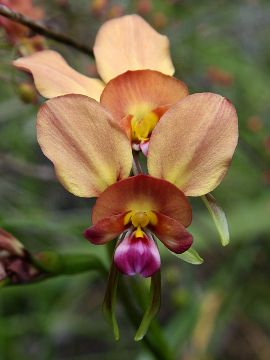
(172, 233)
(105, 229)
(143, 193)
(138, 92)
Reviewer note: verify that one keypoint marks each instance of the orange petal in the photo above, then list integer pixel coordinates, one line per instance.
(54, 77)
(130, 43)
(141, 91)
(105, 230)
(143, 193)
(172, 233)
(89, 151)
(193, 143)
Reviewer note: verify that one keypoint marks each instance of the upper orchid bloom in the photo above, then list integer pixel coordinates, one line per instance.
(14, 260)
(122, 44)
(138, 99)
(134, 209)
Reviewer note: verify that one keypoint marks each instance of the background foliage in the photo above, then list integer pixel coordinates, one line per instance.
(218, 310)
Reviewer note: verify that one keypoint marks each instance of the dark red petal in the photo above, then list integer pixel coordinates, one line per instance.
(172, 233)
(105, 229)
(137, 256)
(143, 193)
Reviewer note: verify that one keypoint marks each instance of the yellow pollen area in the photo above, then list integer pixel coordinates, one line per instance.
(141, 127)
(140, 219)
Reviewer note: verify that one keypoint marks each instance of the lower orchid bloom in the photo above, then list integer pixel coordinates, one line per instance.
(136, 209)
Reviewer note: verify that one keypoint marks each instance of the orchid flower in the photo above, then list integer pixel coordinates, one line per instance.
(93, 158)
(136, 208)
(189, 140)
(190, 147)
(122, 44)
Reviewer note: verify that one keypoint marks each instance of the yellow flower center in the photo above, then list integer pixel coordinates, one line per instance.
(142, 127)
(140, 219)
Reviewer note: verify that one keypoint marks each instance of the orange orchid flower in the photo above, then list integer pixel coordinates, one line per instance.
(125, 43)
(136, 99)
(190, 147)
(189, 140)
(136, 208)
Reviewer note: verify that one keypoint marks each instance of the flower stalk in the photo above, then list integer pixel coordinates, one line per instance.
(39, 28)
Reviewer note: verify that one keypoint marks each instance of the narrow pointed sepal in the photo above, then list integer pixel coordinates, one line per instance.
(108, 307)
(152, 308)
(219, 218)
(190, 256)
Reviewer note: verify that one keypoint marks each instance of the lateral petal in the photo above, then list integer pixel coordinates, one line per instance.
(193, 143)
(172, 234)
(130, 43)
(143, 193)
(105, 229)
(135, 92)
(89, 152)
(54, 77)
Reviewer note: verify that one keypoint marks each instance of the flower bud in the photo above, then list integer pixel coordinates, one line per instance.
(27, 93)
(15, 262)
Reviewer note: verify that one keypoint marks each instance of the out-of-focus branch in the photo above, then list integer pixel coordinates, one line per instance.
(41, 172)
(38, 28)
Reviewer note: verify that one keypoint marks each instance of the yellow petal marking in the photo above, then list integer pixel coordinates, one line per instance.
(140, 219)
(142, 127)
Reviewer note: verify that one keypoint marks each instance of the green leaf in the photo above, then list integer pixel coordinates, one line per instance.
(190, 256)
(219, 218)
(153, 306)
(108, 306)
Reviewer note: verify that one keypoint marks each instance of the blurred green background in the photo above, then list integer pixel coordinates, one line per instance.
(219, 310)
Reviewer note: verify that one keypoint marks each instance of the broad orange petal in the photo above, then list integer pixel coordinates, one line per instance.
(141, 91)
(130, 43)
(54, 77)
(193, 143)
(143, 193)
(105, 229)
(172, 234)
(89, 152)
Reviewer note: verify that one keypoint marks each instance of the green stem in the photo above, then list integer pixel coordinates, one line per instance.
(67, 264)
(39, 28)
(136, 166)
(154, 340)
